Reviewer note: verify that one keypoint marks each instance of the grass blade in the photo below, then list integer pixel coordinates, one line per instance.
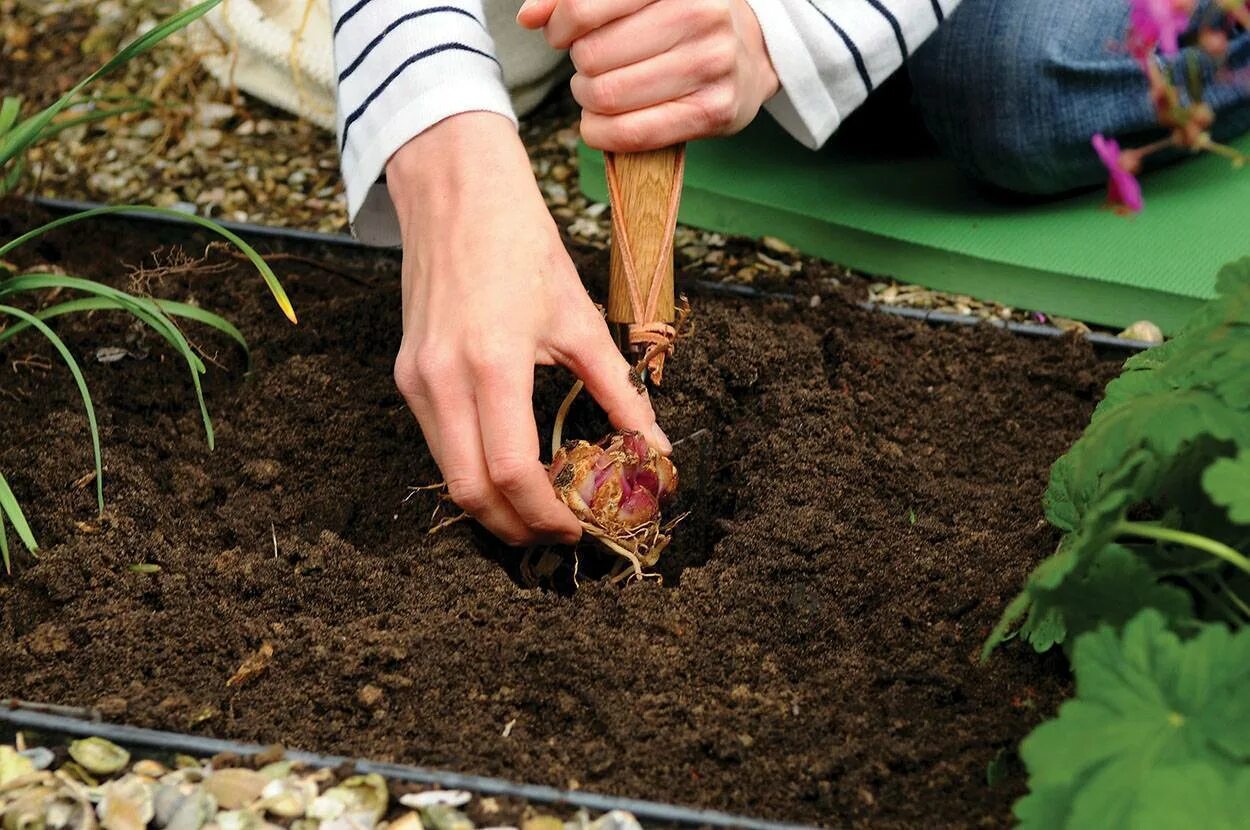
(10, 507)
(214, 321)
(9, 108)
(170, 307)
(266, 273)
(133, 103)
(28, 131)
(13, 176)
(60, 346)
(144, 309)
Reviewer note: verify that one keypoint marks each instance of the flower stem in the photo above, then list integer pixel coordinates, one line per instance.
(1223, 585)
(1189, 540)
(1230, 153)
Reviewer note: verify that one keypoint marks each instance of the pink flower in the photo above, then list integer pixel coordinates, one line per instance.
(1123, 189)
(1157, 23)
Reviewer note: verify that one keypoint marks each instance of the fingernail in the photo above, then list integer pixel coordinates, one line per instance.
(662, 440)
(526, 5)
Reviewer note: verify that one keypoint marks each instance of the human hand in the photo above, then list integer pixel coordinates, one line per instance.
(651, 73)
(489, 291)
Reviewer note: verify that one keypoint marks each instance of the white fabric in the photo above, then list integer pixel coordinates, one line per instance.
(252, 44)
(829, 55)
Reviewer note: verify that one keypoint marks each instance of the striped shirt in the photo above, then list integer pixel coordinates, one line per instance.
(405, 65)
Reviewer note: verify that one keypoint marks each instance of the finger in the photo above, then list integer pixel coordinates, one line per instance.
(463, 463)
(573, 19)
(654, 81)
(610, 381)
(505, 411)
(648, 33)
(709, 112)
(535, 13)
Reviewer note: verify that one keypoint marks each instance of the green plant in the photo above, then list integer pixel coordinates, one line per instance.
(17, 136)
(1148, 591)
(1157, 736)
(1152, 499)
(160, 315)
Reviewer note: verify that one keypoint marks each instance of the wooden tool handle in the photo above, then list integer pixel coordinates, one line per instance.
(644, 200)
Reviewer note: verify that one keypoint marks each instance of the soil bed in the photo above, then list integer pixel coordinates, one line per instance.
(864, 502)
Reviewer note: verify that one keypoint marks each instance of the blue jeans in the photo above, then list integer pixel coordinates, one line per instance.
(1012, 90)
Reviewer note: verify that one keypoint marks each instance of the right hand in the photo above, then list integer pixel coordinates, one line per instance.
(489, 291)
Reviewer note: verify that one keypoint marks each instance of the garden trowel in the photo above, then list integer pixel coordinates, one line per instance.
(645, 191)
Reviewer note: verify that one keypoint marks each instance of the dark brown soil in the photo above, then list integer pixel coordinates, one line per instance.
(866, 500)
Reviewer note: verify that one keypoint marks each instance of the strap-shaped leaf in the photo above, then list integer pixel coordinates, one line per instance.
(25, 133)
(9, 507)
(170, 307)
(74, 369)
(10, 106)
(118, 105)
(266, 273)
(146, 310)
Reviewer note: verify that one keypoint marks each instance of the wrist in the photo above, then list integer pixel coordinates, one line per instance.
(461, 160)
(752, 34)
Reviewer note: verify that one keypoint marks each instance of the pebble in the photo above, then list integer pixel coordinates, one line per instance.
(371, 697)
(199, 794)
(772, 243)
(442, 817)
(447, 798)
(212, 113)
(1145, 331)
(205, 137)
(148, 128)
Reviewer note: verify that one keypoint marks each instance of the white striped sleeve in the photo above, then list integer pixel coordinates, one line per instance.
(403, 67)
(830, 54)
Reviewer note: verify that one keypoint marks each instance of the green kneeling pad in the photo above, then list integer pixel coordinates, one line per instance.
(911, 216)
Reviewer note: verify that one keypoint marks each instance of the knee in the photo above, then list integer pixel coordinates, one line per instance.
(997, 88)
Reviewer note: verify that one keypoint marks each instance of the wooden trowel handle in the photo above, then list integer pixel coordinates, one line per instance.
(644, 204)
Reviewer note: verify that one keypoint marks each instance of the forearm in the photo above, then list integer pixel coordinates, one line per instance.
(402, 68)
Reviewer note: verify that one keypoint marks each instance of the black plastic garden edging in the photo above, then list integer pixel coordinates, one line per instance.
(79, 723)
(730, 289)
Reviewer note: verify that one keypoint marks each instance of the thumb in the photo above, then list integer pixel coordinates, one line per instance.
(534, 14)
(610, 381)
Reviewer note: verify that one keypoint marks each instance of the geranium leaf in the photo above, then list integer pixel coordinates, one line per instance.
(1227, 482)
(1144, 701)
(1193, 795)
(1111, 588)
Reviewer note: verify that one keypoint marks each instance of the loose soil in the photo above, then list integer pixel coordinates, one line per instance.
(864, 501)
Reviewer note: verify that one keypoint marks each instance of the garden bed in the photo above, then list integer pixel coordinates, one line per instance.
(864, 501)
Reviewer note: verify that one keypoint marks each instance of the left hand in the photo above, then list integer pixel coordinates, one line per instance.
(651, 73)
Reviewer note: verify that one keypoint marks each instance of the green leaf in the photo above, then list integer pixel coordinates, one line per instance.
(1145, 701)
(25, 133)
(144, 309)
(1227, 482)
(262, 267)
(72, 364)
(10, 507)
(1193, 795)
(96, 111)
(1111, 589)
(10, 106)
(170, 307)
